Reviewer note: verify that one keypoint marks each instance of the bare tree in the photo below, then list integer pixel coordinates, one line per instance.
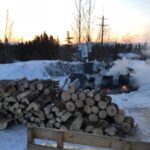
(7, 35)
(88, 19)
(78, 15)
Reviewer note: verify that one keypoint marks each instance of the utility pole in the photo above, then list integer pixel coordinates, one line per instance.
(69, 38)
(102, 30)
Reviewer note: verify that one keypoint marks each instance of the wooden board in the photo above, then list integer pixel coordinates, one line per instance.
(80, 138)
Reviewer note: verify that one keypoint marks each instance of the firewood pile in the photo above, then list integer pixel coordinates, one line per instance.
(42, 103)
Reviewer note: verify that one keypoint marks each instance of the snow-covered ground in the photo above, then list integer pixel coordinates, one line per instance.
(136, 104)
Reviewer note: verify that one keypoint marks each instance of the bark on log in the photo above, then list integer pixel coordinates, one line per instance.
(76, 124)
(66, 116)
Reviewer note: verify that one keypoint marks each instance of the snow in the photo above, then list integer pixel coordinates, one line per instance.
(136, 104)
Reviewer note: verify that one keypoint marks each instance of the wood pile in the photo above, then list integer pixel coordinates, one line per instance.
(41, 103)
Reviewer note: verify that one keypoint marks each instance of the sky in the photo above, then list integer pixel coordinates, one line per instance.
(127, 20)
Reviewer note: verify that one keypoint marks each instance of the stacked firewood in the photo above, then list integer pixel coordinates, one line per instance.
(41, 103)
(93, 111)
(24, 100)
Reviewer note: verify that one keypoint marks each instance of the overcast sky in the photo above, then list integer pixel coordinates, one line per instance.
(31, 17)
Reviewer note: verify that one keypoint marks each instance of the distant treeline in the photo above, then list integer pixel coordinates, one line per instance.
(44, 47)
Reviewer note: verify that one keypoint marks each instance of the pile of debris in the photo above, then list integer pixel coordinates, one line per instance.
(41, 103)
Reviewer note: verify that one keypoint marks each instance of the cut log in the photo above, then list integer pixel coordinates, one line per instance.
(50, 116)
(32, 84)
(74, 86)
(65, 96)
(25, 100)
(111, 131)
(107, 99)
(97, 97)
(37, 120)
(79, 103)
(70, 106)
(57, 125)
(58, 120)
(103, 93)
(66, 116)
(127, 125)
(74, 96)
(90, 94)
(46, 91)
(102, 124)
(39, 86)
(11, 99)
(102, 114)
(93, 118)
(39, 103)
(52, 121)
(87, 109)
(40, 114)
(98, 131)
(59, 114)
(82, 96)
(119, 118)
(24, 94)
(112, 110)
(76, 124)
(55, 109)
(4, 123)
(95, 109)
(47, 109)
(89, 129)
(9, 93)
(102, 104)
(89, 101)
(33, 96)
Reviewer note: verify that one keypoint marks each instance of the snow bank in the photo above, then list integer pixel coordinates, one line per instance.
(39, 69)
(129, 55)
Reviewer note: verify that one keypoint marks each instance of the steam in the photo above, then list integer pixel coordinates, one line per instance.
(120, 67)
(146, 51)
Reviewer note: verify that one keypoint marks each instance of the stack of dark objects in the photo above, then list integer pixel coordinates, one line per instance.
(122, 85)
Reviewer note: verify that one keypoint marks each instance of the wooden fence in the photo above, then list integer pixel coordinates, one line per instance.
(80, 138)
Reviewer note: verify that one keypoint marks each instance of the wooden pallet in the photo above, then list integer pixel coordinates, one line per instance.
(80, 138)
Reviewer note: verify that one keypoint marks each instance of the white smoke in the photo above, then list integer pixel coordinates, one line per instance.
(146, 50)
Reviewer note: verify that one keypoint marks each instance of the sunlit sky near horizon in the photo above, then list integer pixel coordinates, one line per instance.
(126, 18)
